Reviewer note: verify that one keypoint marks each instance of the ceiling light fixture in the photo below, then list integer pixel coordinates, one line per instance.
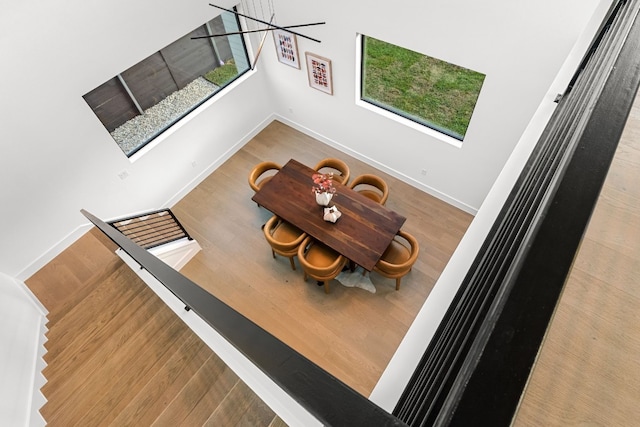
(270, 27)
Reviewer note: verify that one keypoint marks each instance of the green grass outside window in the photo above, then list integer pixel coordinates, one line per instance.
(427, 90)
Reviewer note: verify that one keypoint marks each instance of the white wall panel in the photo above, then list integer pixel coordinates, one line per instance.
(56, 157)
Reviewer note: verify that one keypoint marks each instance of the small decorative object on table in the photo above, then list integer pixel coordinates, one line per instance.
(323, 188)
(331, 214)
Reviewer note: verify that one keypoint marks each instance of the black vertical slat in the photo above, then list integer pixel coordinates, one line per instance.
(462, 379)
(152, 229)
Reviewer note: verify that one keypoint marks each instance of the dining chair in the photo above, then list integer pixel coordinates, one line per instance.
(339, 169)
(319, 261)
(399, 257)
(283, 238)
(262, 173)
(371, 186)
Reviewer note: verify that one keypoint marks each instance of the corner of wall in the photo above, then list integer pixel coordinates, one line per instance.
(220, 160)
(52, 252)
(396, 174)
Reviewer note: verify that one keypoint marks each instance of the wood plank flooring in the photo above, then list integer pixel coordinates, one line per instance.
(588, 370)
(117, 356)
(350, 332)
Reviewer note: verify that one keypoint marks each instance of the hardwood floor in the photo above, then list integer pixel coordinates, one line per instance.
(118, 356)
(151, 369)
(588, 370)
(350, 332)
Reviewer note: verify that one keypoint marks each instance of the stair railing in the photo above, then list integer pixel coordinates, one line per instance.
(477, 365)
(328, 399)
(151, 229)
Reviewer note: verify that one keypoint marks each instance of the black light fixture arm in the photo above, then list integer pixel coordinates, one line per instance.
(268, 23)
(264, 37)
(257, 31)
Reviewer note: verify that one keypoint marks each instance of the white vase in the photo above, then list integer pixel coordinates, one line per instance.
(323, 199)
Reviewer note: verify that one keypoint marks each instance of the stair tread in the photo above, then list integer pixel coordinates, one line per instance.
(90, 340)
(166, 383)
(77, 295)
(97, 308)
(63, 281)
(124, 386)
(122, 348)
(241, 406)
(119, 355)
(207, 389)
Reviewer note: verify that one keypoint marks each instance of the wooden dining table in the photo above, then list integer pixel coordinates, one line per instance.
(361, 234)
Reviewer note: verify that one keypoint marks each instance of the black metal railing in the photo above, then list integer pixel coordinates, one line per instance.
(327, 398)
(476, 366)
(152, 229)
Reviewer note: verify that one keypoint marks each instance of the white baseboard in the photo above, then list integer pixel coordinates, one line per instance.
(218, 162)
(53, 252)
(66, 241)
(22, 338)
(396, 174)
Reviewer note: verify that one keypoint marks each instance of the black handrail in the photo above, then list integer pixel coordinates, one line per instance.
(477, 364)
(326, 397)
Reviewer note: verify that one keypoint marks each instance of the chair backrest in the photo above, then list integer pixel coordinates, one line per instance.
(339, 169)
(319, 260)
(367, 183)
(256, 180)
(401, 267)
(289, 236)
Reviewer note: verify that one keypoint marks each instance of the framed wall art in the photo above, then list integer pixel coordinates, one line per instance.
(319, 71)
(287, 48)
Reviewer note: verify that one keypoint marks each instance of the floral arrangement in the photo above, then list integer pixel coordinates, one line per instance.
(323, 183)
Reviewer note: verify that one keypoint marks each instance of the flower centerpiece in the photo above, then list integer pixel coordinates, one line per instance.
(323, 188)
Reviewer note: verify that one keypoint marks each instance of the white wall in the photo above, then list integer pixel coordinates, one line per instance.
(22, 334)
(415, 342)
(57, 158)
(519, 45)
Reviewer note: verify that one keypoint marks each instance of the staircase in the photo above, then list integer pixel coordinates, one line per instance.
(22, 334)
(117, 355)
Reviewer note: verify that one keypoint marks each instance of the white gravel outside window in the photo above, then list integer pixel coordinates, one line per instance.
(139, 130)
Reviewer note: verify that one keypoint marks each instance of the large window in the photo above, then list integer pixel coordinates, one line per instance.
(422, 89)
(143, 101)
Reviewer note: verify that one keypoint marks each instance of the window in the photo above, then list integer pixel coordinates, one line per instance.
(425, 90)
(140, 103)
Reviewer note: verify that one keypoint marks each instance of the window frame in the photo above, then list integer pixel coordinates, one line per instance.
(192, 114)
(396, 115)
(171, 125)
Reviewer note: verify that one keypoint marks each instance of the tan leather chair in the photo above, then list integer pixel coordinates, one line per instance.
(284, 238)
(320, 262)
(260, 174)
(339, 169)
(399, 257)
(371, 186)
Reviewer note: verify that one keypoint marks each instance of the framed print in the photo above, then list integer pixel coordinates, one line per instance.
(319, 71)
(287, 48)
